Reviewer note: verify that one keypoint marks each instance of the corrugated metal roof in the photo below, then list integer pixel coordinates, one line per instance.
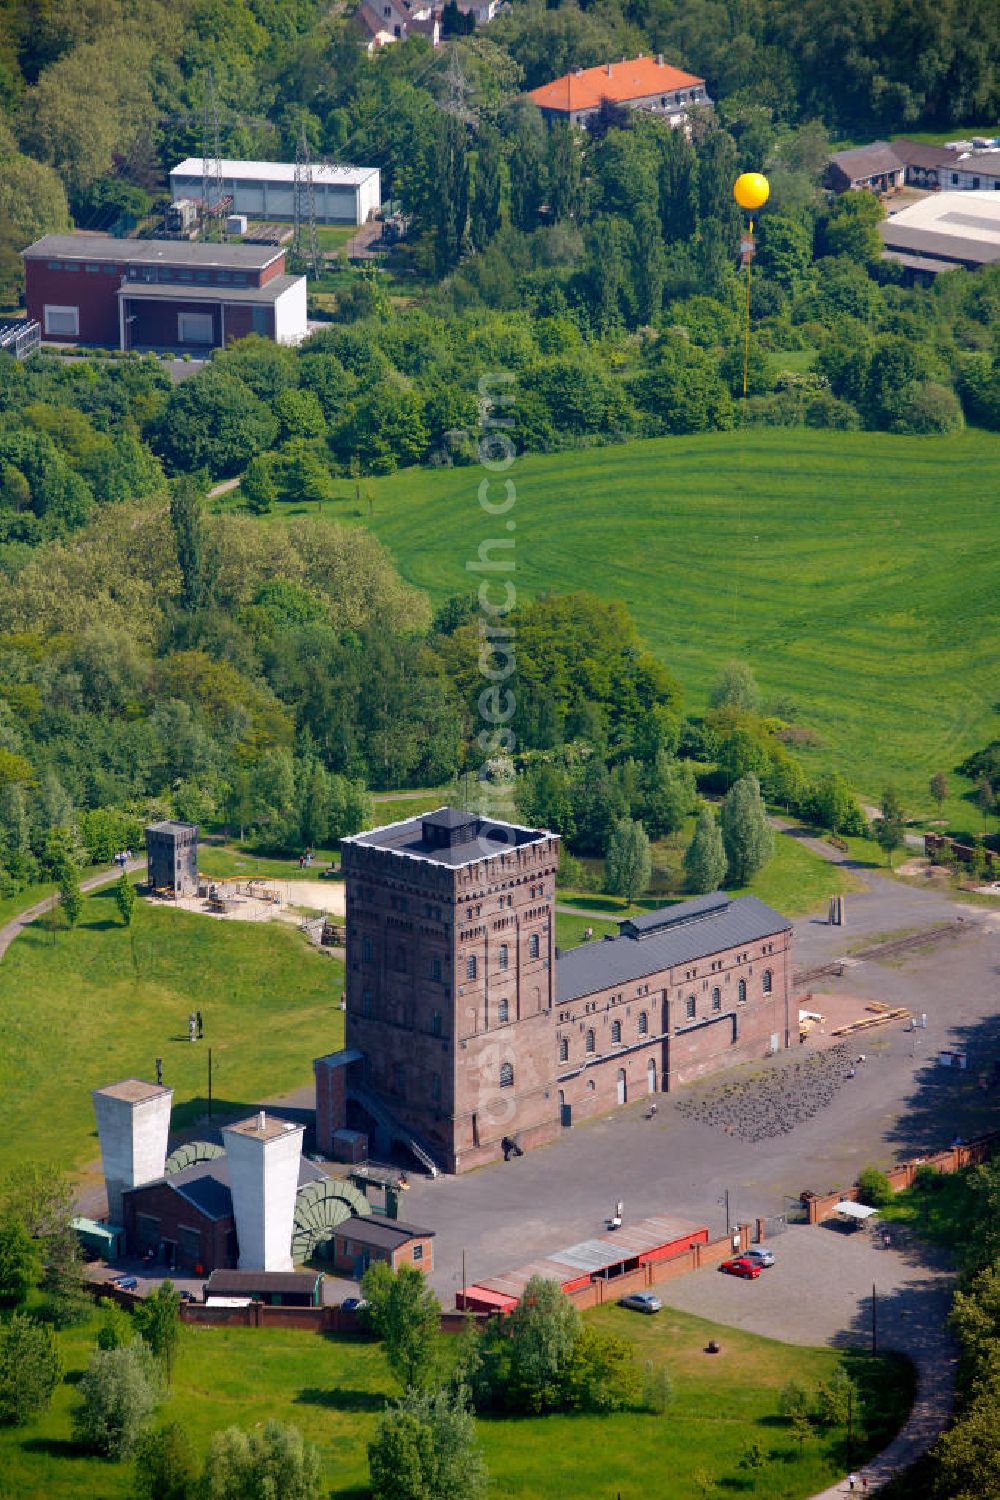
(591, 1257)
(599, 966)
(277, 171)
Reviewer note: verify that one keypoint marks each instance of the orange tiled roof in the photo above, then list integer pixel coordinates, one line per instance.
(636, 78)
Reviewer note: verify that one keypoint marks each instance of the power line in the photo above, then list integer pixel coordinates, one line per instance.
(211, 163)
(304, 240)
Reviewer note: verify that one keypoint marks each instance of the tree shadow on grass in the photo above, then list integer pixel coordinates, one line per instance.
(342, 1398)
(54, 1447)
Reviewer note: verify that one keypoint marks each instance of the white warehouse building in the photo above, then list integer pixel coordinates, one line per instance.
(266, 189)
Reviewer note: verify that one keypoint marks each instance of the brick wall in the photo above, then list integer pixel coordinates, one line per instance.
(820, 1206)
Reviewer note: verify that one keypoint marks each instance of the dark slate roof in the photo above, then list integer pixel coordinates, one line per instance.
(205, 1185)
(381, 1233)
(867, 161)
(425, 837)
(153, 252)
(242, 1283)
(171, 825)
(694, 930)
(920, 154)
(674, 916)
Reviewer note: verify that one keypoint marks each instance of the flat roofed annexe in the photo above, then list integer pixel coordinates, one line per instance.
(659, 1237)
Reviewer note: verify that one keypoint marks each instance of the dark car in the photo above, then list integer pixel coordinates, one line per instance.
(643, 1302)
(126, 1283)
(354, 1304)
(740, 1265)
(188, 1297)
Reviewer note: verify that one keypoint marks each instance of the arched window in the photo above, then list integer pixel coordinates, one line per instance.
(503, 1012)
(643, 1022)
(767, 982)
(692, 1006)
(533, 945)
(716, 999)
(563, 1049)
(616, 1031)
(506, 1075)
(589, 1047)
(502, 957)
(741, 992)
(591, 1085)
(470, 966)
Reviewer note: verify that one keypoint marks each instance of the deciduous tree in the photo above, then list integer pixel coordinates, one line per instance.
(406, 1315)
(29, 1369)
(705, 856)
(425, 1448)
(746, 833)
(118, 1394)
(125, 898)
(628, 864)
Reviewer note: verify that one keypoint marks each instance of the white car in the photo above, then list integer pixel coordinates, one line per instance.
(760, 1255)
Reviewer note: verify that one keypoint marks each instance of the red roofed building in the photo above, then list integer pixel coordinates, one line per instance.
(636, 83)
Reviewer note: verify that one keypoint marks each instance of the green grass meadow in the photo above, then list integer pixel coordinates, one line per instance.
(333, 1389)
(86, 1007)
(855, 571)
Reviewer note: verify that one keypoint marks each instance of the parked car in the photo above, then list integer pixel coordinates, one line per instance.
(126, 1283)
(354, 1304)
(760, 1255)
(740, 1265)
(643, 1302)
(188, 1296)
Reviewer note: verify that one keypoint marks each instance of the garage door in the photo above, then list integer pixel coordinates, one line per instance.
(195, 328)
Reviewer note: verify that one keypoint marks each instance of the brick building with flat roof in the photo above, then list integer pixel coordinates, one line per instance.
(467, 1033)
(135, 294)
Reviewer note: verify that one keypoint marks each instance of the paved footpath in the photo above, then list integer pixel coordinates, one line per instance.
(10, 930)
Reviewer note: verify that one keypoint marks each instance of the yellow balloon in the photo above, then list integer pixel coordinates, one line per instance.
(751, 190)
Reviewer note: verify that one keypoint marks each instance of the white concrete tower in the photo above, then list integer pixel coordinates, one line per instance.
(133, 1122)
(263, 1156)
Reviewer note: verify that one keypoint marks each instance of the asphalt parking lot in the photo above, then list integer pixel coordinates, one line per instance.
(899, 1103)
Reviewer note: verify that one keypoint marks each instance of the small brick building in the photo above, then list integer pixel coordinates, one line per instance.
(131, 294)
(359, 1241)
(466, 1033)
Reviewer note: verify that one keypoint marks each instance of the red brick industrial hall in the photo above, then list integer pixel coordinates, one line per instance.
(468, 1033)
(93, 289)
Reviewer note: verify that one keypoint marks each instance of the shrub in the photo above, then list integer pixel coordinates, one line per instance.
(874, 1188)
(118, 1394)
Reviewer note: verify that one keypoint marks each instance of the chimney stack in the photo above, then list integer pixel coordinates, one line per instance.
(133, 1123)
(263, 1155)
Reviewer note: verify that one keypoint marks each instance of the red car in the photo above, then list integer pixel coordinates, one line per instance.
(741, 1266)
